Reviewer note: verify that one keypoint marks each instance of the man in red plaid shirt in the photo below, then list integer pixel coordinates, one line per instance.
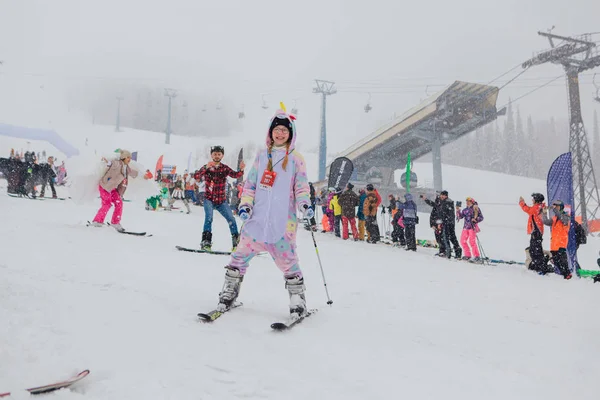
(215, 175)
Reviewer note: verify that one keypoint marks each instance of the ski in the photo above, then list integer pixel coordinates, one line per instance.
(291, 322)
(55, 386)
(214, 314)
(134, 233)
(126, 232)
(215, 252)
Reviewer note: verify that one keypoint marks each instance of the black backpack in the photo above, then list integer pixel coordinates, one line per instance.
(580, 236)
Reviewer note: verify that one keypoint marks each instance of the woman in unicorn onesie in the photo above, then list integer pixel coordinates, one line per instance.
(275, 190)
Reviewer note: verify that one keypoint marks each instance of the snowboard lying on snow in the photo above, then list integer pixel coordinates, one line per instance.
(55, 386)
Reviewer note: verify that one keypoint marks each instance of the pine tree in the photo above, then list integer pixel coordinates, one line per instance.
(530, 141)
(494, 159)
(509, 151)
(522, 161)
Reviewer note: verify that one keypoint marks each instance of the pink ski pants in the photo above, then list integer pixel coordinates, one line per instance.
(282, 252)
(107, 199)
(468, 237)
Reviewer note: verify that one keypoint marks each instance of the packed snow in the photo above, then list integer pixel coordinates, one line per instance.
(402, 324)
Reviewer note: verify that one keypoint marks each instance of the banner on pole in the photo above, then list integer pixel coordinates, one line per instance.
(560, 187)
(340, 172)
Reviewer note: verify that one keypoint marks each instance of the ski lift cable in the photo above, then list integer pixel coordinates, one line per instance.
(420, 90)
(532, 91)
(366, 89)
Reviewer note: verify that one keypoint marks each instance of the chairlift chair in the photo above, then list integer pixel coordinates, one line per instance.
(295, 109)
(597, 98)
(368, 105)
(264, 103)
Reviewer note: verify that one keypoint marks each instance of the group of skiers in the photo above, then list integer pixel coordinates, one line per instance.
(560, 222)
(345, 207)
(275, 193)
(339, 207)
(25, 172)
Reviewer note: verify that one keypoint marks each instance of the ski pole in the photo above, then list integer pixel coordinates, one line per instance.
(485, 258)
(329, 301)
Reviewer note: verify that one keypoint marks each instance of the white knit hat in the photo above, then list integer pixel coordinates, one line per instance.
(125, 154)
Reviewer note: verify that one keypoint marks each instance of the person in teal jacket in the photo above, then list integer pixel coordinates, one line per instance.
(360, 215)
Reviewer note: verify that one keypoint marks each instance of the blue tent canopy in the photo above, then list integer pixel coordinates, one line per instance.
(39, 134)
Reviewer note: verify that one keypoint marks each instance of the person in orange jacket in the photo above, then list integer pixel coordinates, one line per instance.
(370, 206)
(560, 224)
(535, 228)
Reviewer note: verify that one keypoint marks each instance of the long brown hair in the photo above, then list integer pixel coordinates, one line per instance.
(285, 160)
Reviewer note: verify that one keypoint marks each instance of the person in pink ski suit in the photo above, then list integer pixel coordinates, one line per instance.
(275, 190)
(112, 187)
(468, 239)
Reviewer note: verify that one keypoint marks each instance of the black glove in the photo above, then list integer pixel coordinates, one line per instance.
(382, 209)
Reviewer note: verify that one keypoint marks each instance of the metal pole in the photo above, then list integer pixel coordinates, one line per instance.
(326, 89)
(323, 140)
(118, 125)
(168, 138)
(436, 150)
(170, 93)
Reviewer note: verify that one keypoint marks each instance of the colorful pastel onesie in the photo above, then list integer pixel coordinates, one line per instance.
(273, 224)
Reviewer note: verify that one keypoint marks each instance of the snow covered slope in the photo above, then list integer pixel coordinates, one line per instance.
(403, 325)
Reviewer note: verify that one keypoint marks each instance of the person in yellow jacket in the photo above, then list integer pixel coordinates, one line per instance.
(334, 205)
(560, 224)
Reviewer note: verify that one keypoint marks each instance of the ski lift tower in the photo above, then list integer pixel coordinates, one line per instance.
(326, 89)
(576, 56)
(170, 93)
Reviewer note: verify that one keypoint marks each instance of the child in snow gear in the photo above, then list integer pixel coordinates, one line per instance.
(215, 176)
(112, 186)
(179, 194)
(410, 218)
(560, 224)
(398, 228)
(276, 188)
(535, 228)
(468, 238)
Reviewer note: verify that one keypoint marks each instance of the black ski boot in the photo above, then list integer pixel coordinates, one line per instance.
(206, 243)
(458, 253)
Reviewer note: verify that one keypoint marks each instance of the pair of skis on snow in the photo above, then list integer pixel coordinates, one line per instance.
(277, 326)
(126, 232)
(20, 196)
(54, 386)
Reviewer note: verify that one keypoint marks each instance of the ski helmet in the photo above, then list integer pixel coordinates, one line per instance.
(538, 197)
(558, 203)
(219, 149)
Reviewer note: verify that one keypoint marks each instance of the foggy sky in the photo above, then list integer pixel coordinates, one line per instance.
(244, 49)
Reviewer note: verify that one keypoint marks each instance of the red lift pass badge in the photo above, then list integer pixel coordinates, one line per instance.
(267, 180)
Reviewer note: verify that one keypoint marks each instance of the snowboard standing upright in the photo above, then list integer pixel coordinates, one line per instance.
(235, 198)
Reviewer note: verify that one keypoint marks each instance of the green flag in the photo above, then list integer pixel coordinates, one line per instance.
(408, 173)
